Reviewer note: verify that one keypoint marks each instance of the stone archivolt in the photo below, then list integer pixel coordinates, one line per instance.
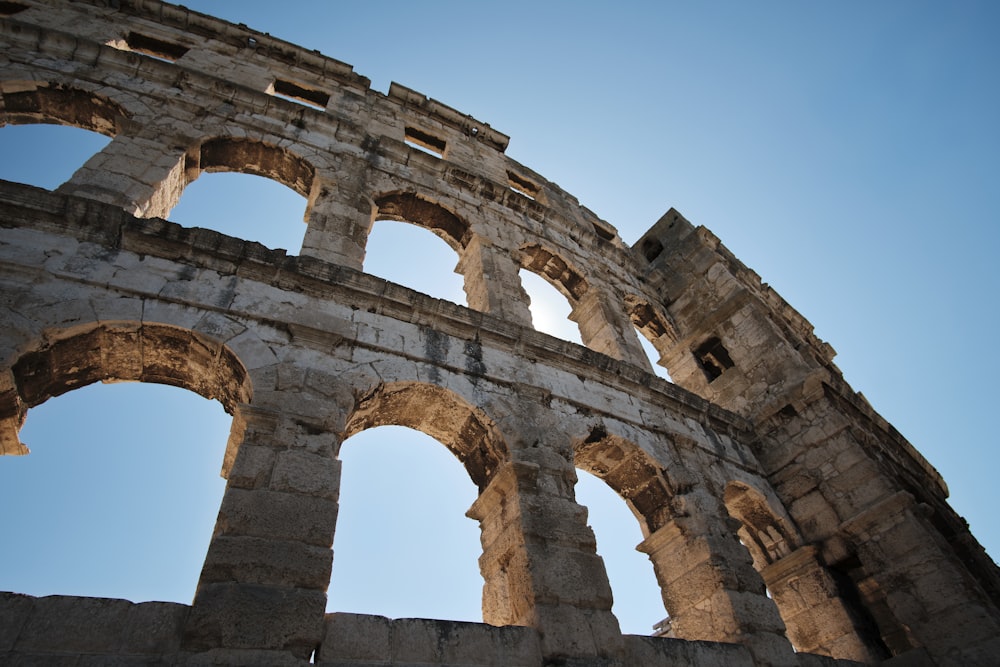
(759, 467)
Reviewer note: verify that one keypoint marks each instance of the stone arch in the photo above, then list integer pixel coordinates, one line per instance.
(600, 319)
(638, 480)
(763, 531)
(119, 352)
(253, 156)
(822, 613)
(632, 473)
(653, 324)
(25, 102)
(560, 273)
(423, 212)
(464, 429)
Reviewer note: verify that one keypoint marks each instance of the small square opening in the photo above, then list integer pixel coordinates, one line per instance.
(713, 358)
(522, 186)
(154, 48)
(651, 249)
(425, 142)
(300, 94)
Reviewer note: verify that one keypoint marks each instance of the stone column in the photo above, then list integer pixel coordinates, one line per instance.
(539, 560)
(812, 609)
(603, 328)
(10, 417)
(710, 588)
(492, 283)
(263, 585)
(338, 226)
(139, 173)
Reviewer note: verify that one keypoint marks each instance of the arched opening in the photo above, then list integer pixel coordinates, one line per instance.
(627, 474)
(822, 607)
(112, 353)
(26, 102)
(414, 257)
(245, 206)
(118, 497)
(466, 432)
(402, 248)
(656, 332)
(588, 308)
(550, 310)
(654, 357)
(403, 498)
(761, 531)
(638, 604)
(48, 131)
(45, 155)
(253, 191)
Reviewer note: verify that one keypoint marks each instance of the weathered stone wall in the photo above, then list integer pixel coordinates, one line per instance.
(759, 467)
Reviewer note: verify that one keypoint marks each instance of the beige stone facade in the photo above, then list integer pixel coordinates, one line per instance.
(759, 471)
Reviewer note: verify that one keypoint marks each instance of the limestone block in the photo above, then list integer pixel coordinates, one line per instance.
(516, 646)
(154, 628)
(237, 657)
(75, 625)
(355, 638)
(259, 560)
(572, 576)
(665, 652)
(251, 350)
(309, 474)
(252, 616)
(219, 326)
(253, 467)
(770, 649)
(14, 611)
(277, 515)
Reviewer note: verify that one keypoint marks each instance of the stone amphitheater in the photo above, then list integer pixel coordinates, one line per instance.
(788, 524)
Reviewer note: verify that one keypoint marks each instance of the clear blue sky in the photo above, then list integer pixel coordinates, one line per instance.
(845, 151)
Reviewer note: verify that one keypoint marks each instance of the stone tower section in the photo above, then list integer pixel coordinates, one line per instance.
(786, 522)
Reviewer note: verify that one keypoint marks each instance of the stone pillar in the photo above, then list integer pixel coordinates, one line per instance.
(539, 560)
(11, 417)
(812, 609)
(492, 283)
(338, 226)
(603, 328)
(915, 573)
(140, 174)
(263, 584)
(710, 588)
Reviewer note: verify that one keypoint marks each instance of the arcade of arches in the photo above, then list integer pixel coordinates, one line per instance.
(785, 522)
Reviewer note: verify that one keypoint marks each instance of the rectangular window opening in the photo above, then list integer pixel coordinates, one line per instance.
(603, 232)
(713, 358)
(300, 94)
(651, 249)
(425, 142)
(522, 186)
(154, 48)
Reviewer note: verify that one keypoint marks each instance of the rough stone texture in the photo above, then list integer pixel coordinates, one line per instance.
(759, 468)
